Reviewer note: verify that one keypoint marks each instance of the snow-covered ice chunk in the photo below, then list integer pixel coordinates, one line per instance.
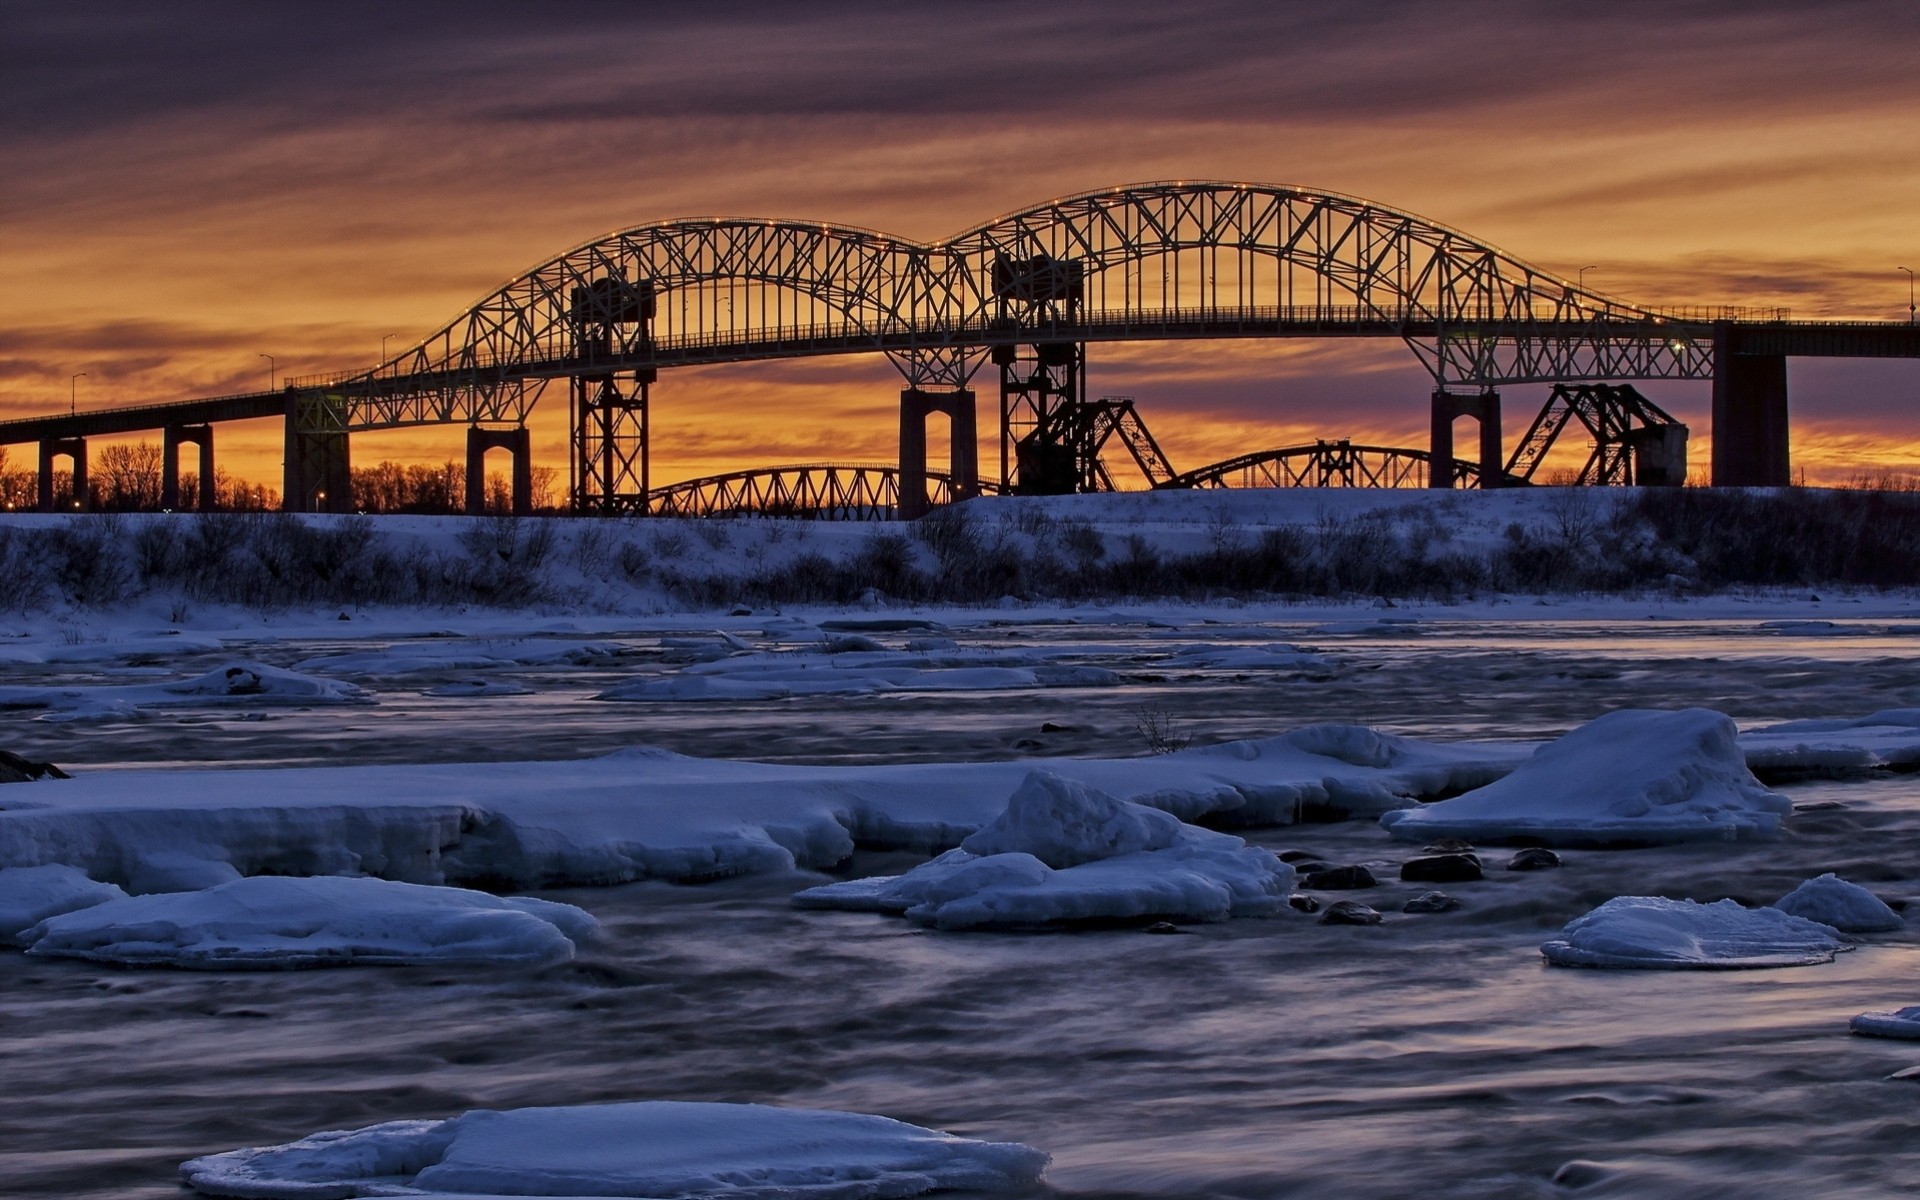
(29, 895)
(1833, 901)
(239, 683)
(1064, 824)
(1064, 852)
(648, 1148)
(1633, 777)
(273, 921)
(1650, 931)
(1889, 1023)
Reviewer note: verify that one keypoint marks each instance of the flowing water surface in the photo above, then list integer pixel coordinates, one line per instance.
(1429, 1056)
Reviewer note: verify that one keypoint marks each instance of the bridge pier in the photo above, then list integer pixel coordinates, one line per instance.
(171, 439)
(516, 442)
(963, 450)
(1449, 407)
(74, 448)
(318, 468)
(1750, 447)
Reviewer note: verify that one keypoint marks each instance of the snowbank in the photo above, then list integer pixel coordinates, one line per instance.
(240, 683)
(1633, 777)
(1833, 901)
(650, 1148)
(269, 922)
(1649, 931)
(29, 895)
(1064, 852)
(650, 814)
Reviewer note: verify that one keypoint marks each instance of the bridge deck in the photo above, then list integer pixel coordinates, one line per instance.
(1838, 339)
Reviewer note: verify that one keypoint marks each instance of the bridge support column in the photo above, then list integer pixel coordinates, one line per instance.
(1449, 407)
(1749, 416)
(318, 467)
(516, 442)
(963, 447)
(74, 448)
(171, 439)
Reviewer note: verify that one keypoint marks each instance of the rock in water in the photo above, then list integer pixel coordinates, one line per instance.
(1432, 902)
(1889, 1023)
(1534, 858)
(1633, 777)
(1847, 907)
(1339, 879)
(1349, 912)
(1650, 931)
(1305, 904)
(1447, 845)
(1441, 868)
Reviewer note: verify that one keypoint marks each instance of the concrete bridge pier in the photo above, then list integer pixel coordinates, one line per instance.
(963, 447)
(318, 468)
(516, 442)
(171, 439)
(74, 448)
(1449, 407)
(1749, 416)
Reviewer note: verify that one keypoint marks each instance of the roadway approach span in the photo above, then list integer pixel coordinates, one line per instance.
(1026, 293)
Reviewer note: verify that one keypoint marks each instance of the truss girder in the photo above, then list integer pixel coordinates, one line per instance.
(822, 491)
(1160, 260)
(1324, 464)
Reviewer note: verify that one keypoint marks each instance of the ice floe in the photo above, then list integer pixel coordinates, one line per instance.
(1889, 1023)
(1889, 739)
(647, 1148)
(651, 814)
(464, 654)
(272, 921)
(1650, 931)
(1847, 907)
(236, 684)
(29, 895)
(1633, 777)
(855, 670)
(1065, 852)
(469, 689)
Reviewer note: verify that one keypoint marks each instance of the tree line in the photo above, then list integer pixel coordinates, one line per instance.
(127, 477)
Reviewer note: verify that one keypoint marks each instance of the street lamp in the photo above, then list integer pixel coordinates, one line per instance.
(73, 394)
(384, 338)
(272, 366)
(1583, 273)
(1910, 308)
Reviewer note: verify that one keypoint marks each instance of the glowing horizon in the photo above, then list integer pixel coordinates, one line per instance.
(196, 188)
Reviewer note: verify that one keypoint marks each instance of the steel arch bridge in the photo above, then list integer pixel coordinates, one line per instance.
(1325, 464)
(1152, 261)
(823, 491)
(1029, 291)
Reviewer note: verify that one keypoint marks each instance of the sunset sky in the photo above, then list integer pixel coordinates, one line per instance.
(188, 186)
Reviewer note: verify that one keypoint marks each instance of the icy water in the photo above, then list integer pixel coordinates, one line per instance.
(1430, 1056)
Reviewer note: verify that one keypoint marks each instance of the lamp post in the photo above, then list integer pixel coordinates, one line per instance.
(384, 338)
(1583, 274)
(1910, 308)
(73, 394)
(272, 366)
